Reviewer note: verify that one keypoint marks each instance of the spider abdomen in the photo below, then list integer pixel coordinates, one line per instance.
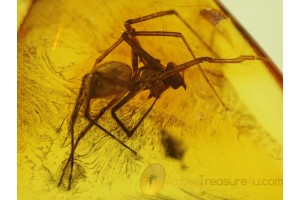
(111, 78)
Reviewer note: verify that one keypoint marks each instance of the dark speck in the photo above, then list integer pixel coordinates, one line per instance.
(173, 147)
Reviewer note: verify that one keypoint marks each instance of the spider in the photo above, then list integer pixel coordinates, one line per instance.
(124, 82)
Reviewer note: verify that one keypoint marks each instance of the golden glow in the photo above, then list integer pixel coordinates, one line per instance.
(23, 8)
(199, 149)
(58, 33)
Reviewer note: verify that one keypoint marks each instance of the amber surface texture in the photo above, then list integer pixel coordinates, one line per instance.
(23, 10)
(188, 147)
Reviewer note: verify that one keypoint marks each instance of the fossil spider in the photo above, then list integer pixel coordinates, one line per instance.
(124, 82)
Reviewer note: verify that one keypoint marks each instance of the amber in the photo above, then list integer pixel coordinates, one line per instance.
(188, 147)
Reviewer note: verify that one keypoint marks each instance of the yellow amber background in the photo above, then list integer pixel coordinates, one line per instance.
(23, 10)
(59, 42)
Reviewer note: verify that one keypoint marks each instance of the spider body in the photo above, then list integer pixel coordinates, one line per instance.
(110, 79)
(115, 78)
(157, 86)
(123, 82)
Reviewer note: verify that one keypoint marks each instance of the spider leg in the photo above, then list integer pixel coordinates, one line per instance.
(129, 22)
(123, 102)
(74, 117)
(106, 53)
(93, 121)
(131, 31)
(87, 97)
(83, 133)
(177, 34)
(186, 65)
(135, 61)
(90, 87)
(155, 63)
(134, 56)
(137, 51)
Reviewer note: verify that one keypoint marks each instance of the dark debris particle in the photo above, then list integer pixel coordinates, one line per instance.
(173, 147)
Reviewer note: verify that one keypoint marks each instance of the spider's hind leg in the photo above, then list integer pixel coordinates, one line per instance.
(127, 98)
